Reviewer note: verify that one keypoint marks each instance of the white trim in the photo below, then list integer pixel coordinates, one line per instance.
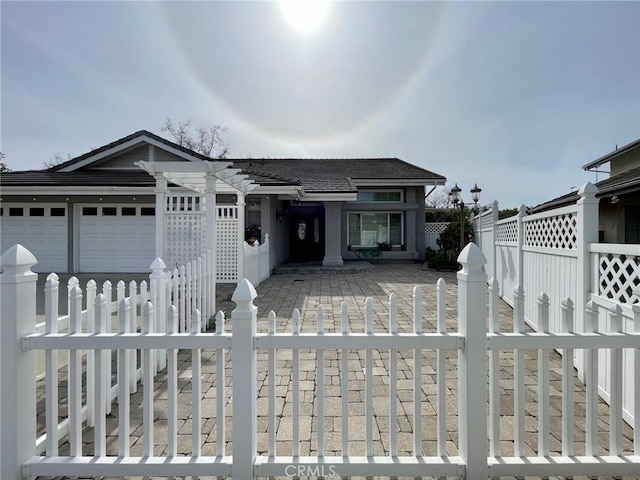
(126, 146)
(395, 182)
(615, 248)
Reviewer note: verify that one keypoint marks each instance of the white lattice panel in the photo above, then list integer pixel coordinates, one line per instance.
(435, 227)
(486, 220)
(507, 232)
(558, 232)
(227, 250)
(619, 277)
(185, 229)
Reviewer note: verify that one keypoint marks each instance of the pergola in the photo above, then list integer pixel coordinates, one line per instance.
(208, 178)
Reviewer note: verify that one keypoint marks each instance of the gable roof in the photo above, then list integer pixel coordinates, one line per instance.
(136, 138)
(610, 156)
(315, 176)
(625, 182)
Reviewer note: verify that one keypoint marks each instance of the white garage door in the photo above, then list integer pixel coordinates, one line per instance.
(116, 238)
(42, 228)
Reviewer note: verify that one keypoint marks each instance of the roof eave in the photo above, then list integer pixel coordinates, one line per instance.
(329, 197)
(611, 155)
(397, 182)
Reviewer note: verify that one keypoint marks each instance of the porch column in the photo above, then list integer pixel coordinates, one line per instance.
(161, 201)
(211, 241)
(241, 227)
(332, 234)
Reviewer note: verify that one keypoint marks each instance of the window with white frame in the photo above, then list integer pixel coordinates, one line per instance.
(368, 229)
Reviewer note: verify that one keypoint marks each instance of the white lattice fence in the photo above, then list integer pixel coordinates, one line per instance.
(559, 231)
(227, 247)
(617, 272)
(185, 229)
(432, 231)
(507, 231)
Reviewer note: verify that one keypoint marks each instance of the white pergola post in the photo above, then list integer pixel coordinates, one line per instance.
(161, 200)
(241, 220)
(212, 240)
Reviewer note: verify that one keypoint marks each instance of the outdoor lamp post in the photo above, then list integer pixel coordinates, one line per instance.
(456, 199)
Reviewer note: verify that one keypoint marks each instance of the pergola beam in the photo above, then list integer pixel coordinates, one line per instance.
(191, 175)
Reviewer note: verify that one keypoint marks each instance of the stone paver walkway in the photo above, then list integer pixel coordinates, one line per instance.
(283, 293)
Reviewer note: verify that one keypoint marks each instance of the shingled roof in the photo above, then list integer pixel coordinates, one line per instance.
(80, 178)
(321, 175)
(625, 182)
(335, 175)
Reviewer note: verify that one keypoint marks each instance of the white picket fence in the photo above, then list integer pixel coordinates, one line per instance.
(188, 287)
(555, 252)
(476, 378)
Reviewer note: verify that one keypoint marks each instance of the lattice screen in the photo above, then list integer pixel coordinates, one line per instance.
(486, 220)
(227, 260)
(552, 232)
(435, 227)
(185, 229)
(619, 276)
(507, 232)
(186, 234)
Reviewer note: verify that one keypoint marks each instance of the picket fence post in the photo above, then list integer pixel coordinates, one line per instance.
(244, 319)
(472, 361)
(17, 367)
(587, 234)
(158, 292)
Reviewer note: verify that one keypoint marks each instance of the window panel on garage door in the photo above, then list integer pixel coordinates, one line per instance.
(116, 238)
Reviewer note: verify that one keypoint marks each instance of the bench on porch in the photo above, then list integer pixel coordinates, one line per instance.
(368, 253)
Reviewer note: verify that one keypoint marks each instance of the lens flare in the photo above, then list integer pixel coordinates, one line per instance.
(305, 15)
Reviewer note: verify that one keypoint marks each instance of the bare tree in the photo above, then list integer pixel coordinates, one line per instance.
(57, 159)
(439, 198)
(3, 166)
(206, 141)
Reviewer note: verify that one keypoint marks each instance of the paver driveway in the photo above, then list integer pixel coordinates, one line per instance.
(283, 293)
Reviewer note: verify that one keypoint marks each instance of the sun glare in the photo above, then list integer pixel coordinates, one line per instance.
(305, 15)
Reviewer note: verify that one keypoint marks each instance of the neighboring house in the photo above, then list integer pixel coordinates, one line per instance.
(619, 212)
(99, 212)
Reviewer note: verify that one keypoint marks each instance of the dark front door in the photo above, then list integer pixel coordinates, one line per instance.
(307, 234)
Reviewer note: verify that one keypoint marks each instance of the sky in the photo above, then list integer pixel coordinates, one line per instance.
(514, 96)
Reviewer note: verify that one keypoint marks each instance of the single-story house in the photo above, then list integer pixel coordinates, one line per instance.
(619, 194)
(117, 207)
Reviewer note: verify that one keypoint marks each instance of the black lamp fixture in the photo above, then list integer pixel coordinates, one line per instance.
(456, 198)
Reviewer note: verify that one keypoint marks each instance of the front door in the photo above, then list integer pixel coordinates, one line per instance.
(307, 234)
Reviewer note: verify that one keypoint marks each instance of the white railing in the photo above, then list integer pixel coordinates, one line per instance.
(471, 342)
(256, 261)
